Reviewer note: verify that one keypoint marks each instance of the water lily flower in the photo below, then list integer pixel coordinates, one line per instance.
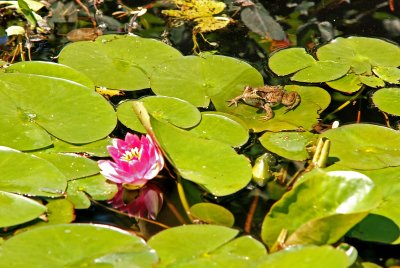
(146, 204)
(135, 161)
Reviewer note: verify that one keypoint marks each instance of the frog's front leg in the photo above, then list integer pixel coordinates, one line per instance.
(268, 112)
(235, 100)
(247, 93)
(291, 100)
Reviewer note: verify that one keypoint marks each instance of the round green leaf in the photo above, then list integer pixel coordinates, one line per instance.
(67, 245)
(290, 60)
(291, 145)
(349, 83)
(173, 110)
(189, 241)
(388, 74)
(197, 79)
(51, 69)
(117, 61)
(321, 208)
(306, 257)
(388, 100)
(313, 101)
(26, 174)
(221, 128)
(33, 106)
(361, 146)
(72, 166)
(16, 209)
(95, 186)
(212, 214)
(59, 211)
(321, 71)
(209, 163)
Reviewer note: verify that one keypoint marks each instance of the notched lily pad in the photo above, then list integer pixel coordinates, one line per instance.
(321, 71)
(388, 74)
(117, 61)
(33, 107)
(349, 83)
(172, 110)
(361, 146)
(290, 60)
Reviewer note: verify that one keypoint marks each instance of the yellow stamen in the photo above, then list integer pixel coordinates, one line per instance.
(132, 154)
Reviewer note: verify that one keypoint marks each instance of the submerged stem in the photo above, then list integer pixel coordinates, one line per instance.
(182, 197)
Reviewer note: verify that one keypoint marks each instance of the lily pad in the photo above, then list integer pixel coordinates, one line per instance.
(117, 61)
(349, 83)
(189, 241)
(16, 209)
(290, 60)
(51, 69)
(360, 146)
(306, 257)
(95, 186)
(321, 71)
(209, 163)
(313, 101)
(67, 245)
(34, 107)
(321, 208)
(26, 174)
(72, 166)
(173, 110)
(388, 100)
(199, 79)
(356, 50)
(212, 214)
(221, 128)
(388, 74)
(291, 145)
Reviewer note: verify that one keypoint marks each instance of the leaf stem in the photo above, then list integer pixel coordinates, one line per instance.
(182, 197)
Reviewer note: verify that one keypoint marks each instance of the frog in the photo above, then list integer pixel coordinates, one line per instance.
(266, 97)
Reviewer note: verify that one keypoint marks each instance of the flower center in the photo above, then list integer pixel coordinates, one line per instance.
(132, 154)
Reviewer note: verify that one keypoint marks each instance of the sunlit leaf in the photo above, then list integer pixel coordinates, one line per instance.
(218, 127)
(117, 62)
(52, 70)
(349, 83)
(34, 106)
(361, 146)
(189, 242)
(306, 257)
(95, 187)
(290, 60)
(321, 208)
(321, 71)
(388, 100)
(71, 245)
(388, 74)
(16, 209)
(291, 145)
(199, 79)
(173, 110)
(26, 174)
(209, 163)
(212, 214)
